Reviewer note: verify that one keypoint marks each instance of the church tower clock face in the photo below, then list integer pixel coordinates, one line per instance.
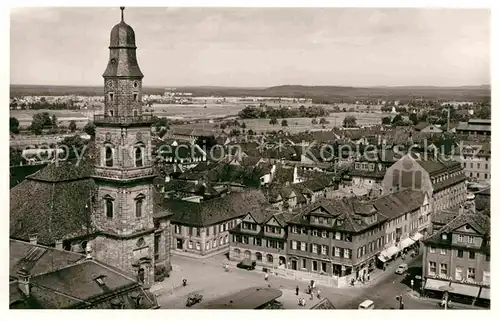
(110, 84)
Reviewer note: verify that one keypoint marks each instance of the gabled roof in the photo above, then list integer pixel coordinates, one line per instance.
(216, 210)
(479, 222)
(399, 203)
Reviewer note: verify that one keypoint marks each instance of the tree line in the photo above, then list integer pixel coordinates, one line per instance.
(264, 111)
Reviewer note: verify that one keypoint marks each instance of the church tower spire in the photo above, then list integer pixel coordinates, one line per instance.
(124, 173)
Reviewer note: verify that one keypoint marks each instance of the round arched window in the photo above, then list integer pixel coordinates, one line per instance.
(141, 242)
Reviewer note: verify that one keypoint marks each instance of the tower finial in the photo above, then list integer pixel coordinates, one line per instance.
(122, 9)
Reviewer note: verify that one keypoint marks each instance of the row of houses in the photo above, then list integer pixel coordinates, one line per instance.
(336, 237)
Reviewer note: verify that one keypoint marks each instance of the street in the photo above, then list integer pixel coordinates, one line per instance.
(208, 278)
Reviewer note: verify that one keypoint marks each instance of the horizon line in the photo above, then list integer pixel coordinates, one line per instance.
(265, 87)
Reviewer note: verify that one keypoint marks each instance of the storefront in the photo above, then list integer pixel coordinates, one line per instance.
(433, 287)
(464, 293)
(483, 299)
(387, 255)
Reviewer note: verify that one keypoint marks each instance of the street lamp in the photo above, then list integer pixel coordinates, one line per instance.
(446, 289)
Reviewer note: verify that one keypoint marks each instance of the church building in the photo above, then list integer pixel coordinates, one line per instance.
(105, 204)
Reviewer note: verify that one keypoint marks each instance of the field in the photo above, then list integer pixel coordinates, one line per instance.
(199, 112)
(296, 125)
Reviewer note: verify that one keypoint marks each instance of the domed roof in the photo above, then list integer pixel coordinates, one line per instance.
(122, 36)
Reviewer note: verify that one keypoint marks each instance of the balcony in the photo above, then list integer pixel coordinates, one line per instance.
(144, 119)
(123, 173)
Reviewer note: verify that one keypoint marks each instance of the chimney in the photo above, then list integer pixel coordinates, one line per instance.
(59, 244)
(23, 281)
(33, 239)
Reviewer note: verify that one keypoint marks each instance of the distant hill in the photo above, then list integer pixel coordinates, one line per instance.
(318, 93)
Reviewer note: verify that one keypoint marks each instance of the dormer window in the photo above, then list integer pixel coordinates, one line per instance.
(444, 237)
(340, 222)
(100, 280)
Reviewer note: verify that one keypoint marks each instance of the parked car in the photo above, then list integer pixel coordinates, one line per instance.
(402, 268)
(246, 264)
(366, 305)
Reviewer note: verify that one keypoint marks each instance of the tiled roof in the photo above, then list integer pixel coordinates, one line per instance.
(344, 210)
(421, 125)
(38, 259)
(450, 181)
(399, 203)
(52, 210)
(479, 222)
(61, 279)
(215, 210)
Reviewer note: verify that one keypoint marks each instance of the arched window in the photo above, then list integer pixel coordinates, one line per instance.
(139, 162)
(138, 205)
(108, 201)
(258, 256)
(269, 258)
(237, 252)
(108, 156)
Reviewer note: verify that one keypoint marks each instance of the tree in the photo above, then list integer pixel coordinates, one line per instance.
(386, 120)
(397, 119)
(74, 144)
(39, 122)
(206, 142)
(273, 121)
(414, 118)
(243, 125)
(314, 121)
(349, 121)
(53, 121)
(284, 123)
(251, 132)
(72, 126)
(14, 125)
(323, 121)
(89, 129)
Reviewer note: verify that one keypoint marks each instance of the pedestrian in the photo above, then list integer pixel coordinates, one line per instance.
(312, 295)
(266, 276)
(319, 294)
(308, 289)
(297, 290)
(368, 276)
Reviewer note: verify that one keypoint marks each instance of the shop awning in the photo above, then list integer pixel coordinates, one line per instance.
(382, 258)
(389, 252)
(406, 242)
(485, 293)
(433, 284)
(465, 289)
(417, 237)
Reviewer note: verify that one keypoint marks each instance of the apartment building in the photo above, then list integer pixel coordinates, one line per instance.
(474, 128)
(442, 181)
(458, 256)
(261, 237)
(201, 227)
(335, 237)
(408, 218)
(475, 157)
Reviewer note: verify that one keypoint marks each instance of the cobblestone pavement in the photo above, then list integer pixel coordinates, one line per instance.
(208, 277)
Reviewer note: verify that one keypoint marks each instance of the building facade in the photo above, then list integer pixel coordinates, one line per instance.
(474, 128)
(442, 181)
(458, 256)
(261, 237)
(475, 158)
(335, 237)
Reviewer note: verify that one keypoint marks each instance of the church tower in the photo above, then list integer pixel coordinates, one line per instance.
(123, 204)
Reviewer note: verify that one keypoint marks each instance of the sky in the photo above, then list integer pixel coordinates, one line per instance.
(257, 47)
